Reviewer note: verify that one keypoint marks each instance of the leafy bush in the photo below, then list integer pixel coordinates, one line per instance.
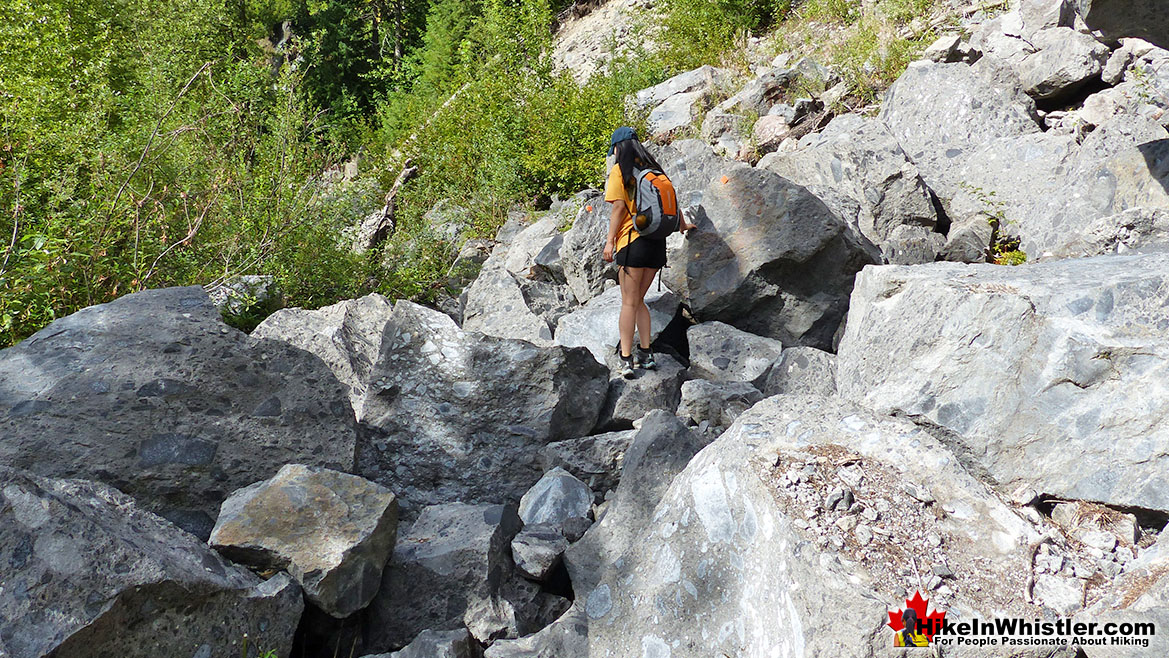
(698, 32)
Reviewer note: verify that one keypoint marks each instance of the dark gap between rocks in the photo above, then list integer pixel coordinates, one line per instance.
(944, 221)
(1073, 102)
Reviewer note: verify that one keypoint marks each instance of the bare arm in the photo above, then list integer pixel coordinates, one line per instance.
(615, 218)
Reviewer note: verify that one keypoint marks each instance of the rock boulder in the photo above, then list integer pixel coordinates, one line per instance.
(738, 559)
(333, 532)
(767, 257)
(1030, 368)
(87, 572)
(155, 395)
(458, 416)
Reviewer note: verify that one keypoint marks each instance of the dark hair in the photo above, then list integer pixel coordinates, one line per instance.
(909, 618)
(630, 155)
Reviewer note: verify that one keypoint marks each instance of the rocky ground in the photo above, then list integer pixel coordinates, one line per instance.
(853, 403)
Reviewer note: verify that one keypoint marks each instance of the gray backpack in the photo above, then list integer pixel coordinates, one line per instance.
(657, 205)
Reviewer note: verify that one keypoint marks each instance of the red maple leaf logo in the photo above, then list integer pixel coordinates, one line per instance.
(931, 622)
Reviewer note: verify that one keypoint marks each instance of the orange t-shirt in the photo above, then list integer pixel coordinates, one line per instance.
(615, 191)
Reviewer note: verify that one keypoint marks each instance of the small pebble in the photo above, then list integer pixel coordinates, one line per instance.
(846, 523)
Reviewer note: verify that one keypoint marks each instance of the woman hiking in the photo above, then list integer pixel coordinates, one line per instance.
(638, 257)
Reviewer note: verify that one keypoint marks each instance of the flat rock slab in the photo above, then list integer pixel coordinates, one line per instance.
(1032, 368)
(88, 572)
(156, 396)
(459, 416)
(333, 532)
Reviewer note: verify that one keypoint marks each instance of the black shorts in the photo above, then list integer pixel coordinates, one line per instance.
(643, 252)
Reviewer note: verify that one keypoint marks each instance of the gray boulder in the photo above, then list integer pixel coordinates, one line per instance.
(676, 113)
(944, 49)
(595, 460)
(860, 158)
(738, 558)
(660, 449)
(496, 307)
(523, 249)
(723, 353)
(1043, 14)
(769, 132)
(1051, 191)
(802, 370)
(940, 113)
(567, 637)
(1144, 19)
(678, 101)
(1064, 61)
(333, 532)
(702, 79)
(87, 572)
(969, 239)
(448, 570)
(549, 263)
(765, 90)
(630, 399)
(154, 395)
(594, 325)
(439, 644)
(584, 244)
(692, 166)
(723, 131)
(717, 404)
(346, 336)
(459, 416)
(912, 245)
(557, 497)
(1030, 368)
(767, 257)
(551, 301)
(537, 550)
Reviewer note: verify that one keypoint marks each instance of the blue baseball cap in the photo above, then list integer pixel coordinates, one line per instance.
(620, 135)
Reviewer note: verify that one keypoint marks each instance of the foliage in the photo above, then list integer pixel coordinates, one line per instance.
(869, 45)
(698, 32)
(147, 144)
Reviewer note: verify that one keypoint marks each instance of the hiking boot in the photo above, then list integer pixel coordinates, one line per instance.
(625, 370)
(645, 359)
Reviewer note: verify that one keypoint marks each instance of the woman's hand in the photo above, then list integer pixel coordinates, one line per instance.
(686, 226)
(608, 254)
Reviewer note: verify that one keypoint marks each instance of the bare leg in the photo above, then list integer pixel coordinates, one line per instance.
(630, 279)
(644, 333)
